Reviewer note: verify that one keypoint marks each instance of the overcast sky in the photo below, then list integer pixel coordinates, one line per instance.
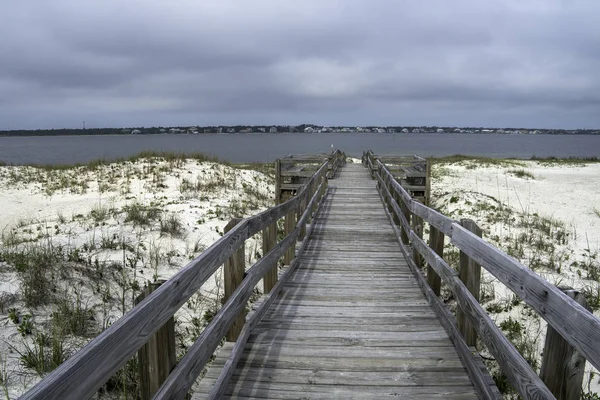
(119, 63)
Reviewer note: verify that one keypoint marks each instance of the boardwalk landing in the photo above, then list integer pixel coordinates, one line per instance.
(352, 321)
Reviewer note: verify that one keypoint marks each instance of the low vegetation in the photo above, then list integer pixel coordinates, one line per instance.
(76, 272)
(548, 245)
(521, 173)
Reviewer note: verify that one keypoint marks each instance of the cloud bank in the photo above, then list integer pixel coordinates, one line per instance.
(354, 62)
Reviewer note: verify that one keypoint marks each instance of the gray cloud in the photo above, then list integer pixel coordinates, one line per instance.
(466, 62)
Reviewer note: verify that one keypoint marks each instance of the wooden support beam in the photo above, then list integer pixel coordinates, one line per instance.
(428, 183)
(407, 214)
(417, 227)
(269, 241)
(470, 273)
(436, 242)
(235, 267)
(157, 357)
(563, 367)
(289, 226)
(278, 181)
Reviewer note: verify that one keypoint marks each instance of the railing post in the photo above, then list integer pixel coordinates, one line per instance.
(289, 225)
(436, 242)
(157, 357)
(277, 181)
(417, 227)
(398, 200)
(235, 267)
(406, 212)
(301, 209)
(470, 273)
(562, 366)
(269, 241)
(393, 198)
(427, 182)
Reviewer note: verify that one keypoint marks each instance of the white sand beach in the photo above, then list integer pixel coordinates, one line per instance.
(546, 215)
(112, 228)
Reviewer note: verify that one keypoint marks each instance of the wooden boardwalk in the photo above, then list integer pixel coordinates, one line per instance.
(352, 321)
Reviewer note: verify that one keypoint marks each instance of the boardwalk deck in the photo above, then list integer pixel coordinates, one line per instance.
(352, 321)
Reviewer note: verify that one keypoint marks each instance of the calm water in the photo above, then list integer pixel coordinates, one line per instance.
(268, 147)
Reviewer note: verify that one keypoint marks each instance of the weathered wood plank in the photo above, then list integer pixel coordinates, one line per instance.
(470, 273)
(520, 374)
(562, 366)
(483, 383)
(233, 275)
(191, 365)
(436, 242)
(228, 369)
(576, 324)
(350, 320)
(313, 391)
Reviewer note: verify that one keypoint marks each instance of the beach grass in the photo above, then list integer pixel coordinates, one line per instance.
(551, 160)
(521, 173)
(170, 157)
(472, 162)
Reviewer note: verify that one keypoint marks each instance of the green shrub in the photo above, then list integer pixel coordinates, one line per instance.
(521, 173)
(141, 215)
(172, 225)
(72, 317)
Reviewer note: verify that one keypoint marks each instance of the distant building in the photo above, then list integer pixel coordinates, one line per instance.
(230, 130)
(163, 130)
(273, 130)
(136, 132)
(174, 130)
(440, 130)
(405, 130)
(308, 129)
(416, 130)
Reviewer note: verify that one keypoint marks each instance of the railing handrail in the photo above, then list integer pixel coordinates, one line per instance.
(86, 371)
(572, 321)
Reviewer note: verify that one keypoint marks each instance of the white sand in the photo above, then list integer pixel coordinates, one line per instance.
(30, 209)
(36, 209)
(567, 194)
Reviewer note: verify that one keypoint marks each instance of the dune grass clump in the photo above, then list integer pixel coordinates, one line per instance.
(44, 354)
(36, 266)
(141, 215)
(72, 316)
(473, 162)
(172, 226)
(521, 173)
(565, 161)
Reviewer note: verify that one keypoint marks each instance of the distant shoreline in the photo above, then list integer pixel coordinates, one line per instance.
(266, 147)
(80, 132)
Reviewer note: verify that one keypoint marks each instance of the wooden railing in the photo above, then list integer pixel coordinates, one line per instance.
(85, 372)
(292, 171)
(412, 172)
(573, 331)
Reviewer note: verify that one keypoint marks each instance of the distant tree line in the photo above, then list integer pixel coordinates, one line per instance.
(266, 128)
